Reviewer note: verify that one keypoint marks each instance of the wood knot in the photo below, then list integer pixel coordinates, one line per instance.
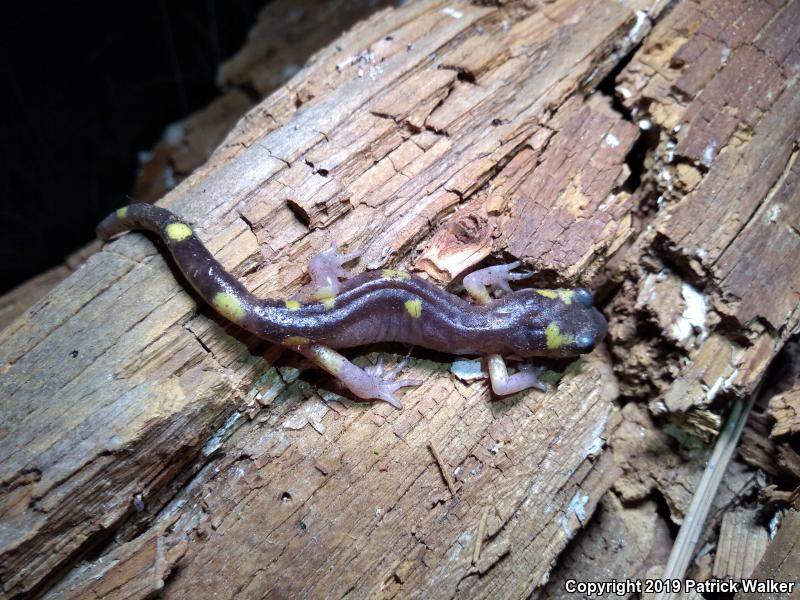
(467, 228)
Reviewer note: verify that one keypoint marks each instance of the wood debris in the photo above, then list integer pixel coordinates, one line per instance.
(742, 541)
(444, 469)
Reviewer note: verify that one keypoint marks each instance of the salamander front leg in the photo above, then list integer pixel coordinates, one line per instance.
(326, 270)
(372, 383)
(478, 286)
(479, 283)
(503, 384)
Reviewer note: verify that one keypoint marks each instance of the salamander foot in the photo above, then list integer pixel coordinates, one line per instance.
(372, 383)
(503, 384)
(381, 385)
(479, 283)
(326, 270)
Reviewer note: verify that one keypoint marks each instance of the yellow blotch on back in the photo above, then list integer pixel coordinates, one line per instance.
(564, 295)
(292, 304)
(329, 303)
(395, 274)
(554, 337)
(178, 232)
(228, 306)
(296, 340)
(414, 307)
(122, 212)
(323, 292)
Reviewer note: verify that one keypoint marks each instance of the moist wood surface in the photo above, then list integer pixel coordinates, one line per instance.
(148, 447)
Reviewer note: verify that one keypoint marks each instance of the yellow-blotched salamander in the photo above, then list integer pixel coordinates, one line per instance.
(387, 305)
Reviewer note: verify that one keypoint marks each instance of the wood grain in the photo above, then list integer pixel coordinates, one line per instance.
(143, 435)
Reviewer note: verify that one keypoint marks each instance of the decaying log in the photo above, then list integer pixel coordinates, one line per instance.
(21, 298)
(150, 447)
(769, 440)
(781, 561)
(620, 543)
(731, 234)
(785, 410)
(742, 541)
(708, 297)
(286, 36)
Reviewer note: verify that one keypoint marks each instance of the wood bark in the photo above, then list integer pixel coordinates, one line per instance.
(149, 447)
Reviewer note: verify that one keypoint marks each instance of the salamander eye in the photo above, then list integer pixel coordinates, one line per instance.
(584, 342)
(583, 296)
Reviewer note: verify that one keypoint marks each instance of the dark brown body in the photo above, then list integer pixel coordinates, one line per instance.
(381, 306)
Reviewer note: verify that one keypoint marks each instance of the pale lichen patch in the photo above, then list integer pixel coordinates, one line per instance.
(576, 507)
(693, 317)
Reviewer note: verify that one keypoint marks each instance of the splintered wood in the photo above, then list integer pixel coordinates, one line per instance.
(785, 409)
(620, 543)
(742, 541)
(730, 236)
(443, 468)
(144, 436)
(781, 560)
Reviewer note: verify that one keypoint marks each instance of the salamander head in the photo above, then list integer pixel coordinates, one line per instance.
(555, 323)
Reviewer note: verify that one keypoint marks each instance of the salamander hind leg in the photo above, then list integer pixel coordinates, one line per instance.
(481, 283)
(372, 383)
(503, 384)
(326, 270)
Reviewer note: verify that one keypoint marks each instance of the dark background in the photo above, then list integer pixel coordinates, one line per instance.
(86, 87)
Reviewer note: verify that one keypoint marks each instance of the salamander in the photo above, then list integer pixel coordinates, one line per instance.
(386, 305)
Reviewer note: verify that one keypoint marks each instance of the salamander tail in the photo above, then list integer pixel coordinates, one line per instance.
(217, 287)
